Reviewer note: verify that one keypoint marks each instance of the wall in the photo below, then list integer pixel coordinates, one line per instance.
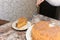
(13, 9)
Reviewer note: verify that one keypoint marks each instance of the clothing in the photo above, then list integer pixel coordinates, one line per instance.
(48, 10)
(54, 2)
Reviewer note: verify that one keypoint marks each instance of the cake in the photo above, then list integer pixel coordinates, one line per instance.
(21, 22)
(42, 31)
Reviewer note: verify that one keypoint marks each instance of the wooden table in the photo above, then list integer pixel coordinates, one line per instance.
(3, 22)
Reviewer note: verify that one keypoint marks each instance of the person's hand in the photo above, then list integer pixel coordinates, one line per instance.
(39, 2)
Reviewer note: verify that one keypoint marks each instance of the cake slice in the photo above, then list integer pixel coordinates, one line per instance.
(21, 22)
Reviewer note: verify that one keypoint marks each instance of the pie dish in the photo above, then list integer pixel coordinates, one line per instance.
(43, 31)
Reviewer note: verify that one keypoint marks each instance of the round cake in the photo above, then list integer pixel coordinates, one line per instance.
(42, 31)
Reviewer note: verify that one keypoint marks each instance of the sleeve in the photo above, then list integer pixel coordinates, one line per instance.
(54, 2)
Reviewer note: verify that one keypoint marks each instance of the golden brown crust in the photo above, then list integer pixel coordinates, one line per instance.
(42, 31)
(21, 22)
(42, 25)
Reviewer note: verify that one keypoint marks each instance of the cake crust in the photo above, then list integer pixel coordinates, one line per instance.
(21, 22)
(42, 31)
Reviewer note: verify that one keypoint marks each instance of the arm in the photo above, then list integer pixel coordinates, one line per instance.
(39, 2)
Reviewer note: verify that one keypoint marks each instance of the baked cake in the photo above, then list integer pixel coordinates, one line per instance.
(21, 22)
(42, 31)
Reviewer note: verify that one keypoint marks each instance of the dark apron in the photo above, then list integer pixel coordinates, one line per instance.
(48, 10)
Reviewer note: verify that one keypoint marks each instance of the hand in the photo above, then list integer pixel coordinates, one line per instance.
(39, 2)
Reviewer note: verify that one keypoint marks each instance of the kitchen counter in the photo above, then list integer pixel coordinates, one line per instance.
(8, 33)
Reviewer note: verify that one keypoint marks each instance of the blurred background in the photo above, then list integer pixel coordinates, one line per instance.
(11, 10)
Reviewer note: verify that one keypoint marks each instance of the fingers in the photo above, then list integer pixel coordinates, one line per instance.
(39, 2)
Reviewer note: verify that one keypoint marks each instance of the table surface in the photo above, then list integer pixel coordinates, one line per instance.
(3, 21)
(8, 33)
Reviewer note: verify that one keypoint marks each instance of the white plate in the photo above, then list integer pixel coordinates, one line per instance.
(23, 28)
(28, 33)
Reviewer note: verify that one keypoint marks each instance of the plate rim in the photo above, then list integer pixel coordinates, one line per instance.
(28, 33)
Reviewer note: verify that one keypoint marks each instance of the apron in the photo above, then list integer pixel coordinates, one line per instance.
(48, 10)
